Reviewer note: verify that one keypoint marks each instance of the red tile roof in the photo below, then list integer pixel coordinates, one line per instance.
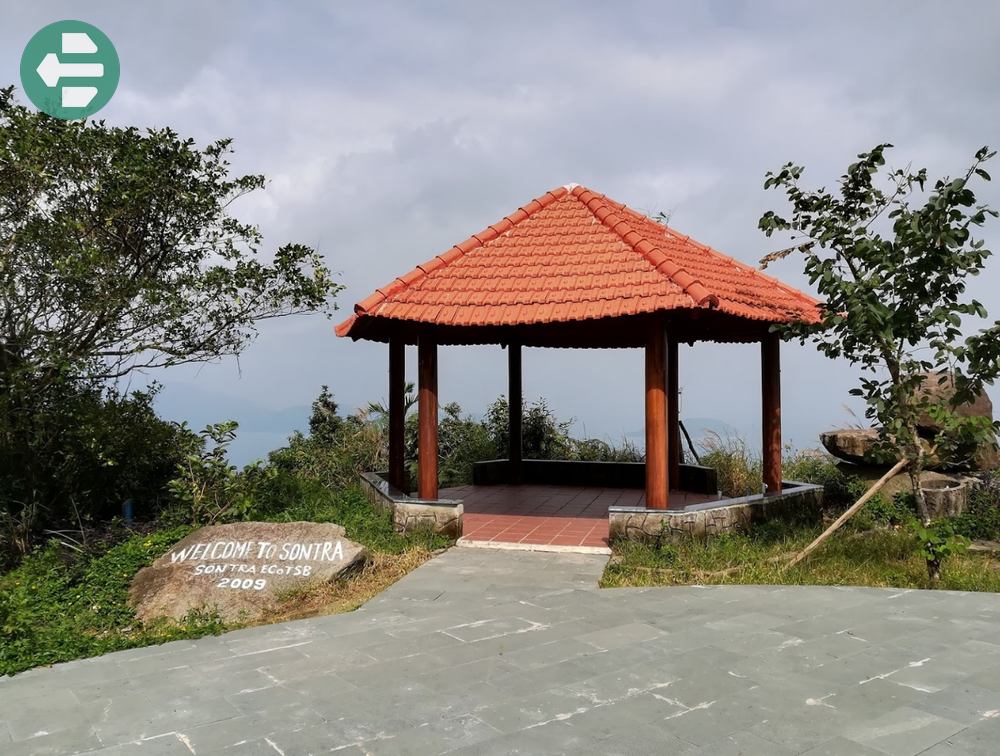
(573, 255)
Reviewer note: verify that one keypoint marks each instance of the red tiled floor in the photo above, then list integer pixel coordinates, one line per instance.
(546, 515)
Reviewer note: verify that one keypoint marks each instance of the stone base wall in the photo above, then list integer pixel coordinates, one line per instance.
(800, 503)
(409, 514)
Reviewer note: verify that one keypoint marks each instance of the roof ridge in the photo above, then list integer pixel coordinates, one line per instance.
(475, 241)
(597, 204)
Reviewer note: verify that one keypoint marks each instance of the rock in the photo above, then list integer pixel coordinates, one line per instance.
(939, 388)
(986, 457)
(856, 445)
(239, 570)
(851, 444)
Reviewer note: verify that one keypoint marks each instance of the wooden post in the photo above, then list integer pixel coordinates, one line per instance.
(514, 407)
(427, 417)
(397, 410)
(673, 414)
(657, 481)
(770, 385)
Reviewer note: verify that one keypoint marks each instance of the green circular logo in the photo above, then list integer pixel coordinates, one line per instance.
(70, 69)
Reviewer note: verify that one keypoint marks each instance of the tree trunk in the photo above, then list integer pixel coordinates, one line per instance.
(934, 572)
(915, 470)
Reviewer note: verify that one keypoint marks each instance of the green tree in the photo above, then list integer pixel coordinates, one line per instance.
(891, 267)
(543, 435)
(324, 422)
(118, 253)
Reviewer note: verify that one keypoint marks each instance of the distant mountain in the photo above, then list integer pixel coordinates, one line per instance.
(698, 427)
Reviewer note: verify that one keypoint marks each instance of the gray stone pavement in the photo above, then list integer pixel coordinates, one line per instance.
(485, 652)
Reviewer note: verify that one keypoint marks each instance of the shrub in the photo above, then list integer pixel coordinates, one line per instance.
(461, 442)
(596, 450)
(981, 519)
(543, 436)
(896, 510)
(89, 450)
(208, 490)
(821, 469)
(58, 606)
(344, 448)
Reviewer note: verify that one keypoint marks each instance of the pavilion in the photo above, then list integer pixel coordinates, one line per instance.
(574, 268)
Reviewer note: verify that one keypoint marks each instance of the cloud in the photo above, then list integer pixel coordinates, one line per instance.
(390, 131)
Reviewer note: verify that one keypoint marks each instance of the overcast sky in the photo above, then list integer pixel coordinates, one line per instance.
(390, 131)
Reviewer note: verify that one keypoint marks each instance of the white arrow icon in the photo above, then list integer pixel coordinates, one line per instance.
(51, 70)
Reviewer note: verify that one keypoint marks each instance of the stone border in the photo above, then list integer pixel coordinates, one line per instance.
(545, 547)
(796, 502)
(409, 514)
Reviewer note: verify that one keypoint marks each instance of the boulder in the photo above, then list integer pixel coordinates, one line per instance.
(986, 457)
(939, 388)
(857, 445)
(851, 444)
(240, 570)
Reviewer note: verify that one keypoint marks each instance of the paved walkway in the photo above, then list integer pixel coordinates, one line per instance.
(487, 652)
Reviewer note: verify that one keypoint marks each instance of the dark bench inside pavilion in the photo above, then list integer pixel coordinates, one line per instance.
(576, 269)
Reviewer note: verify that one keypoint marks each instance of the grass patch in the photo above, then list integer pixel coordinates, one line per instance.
(349, 592)
(879, 557)
(61, 604)
(373, 530)
(58, 605)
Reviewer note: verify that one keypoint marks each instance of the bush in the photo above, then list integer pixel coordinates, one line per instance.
(461, 442)
(360, 444)
(208, 490)
(595, 450)
(740, 471)
(543, 436)
(981, 519)
(90, 450)
(819, 468)
(898, 510)
(59, 605)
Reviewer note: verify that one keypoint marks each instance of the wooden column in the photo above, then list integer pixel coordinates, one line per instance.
(657, 480)
(514, 408)
(427, 418)
(770, 385)
(397, 410)
(673, 414)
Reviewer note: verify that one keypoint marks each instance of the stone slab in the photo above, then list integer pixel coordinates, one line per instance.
(668, 670)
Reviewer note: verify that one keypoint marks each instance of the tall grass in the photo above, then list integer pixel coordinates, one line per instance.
(738, 466)
(740, 469)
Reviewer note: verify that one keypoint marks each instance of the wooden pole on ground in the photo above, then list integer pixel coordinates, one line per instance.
(849, 513)
(427, 418)
(657, 472)
(397, 409)
(514, 405)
